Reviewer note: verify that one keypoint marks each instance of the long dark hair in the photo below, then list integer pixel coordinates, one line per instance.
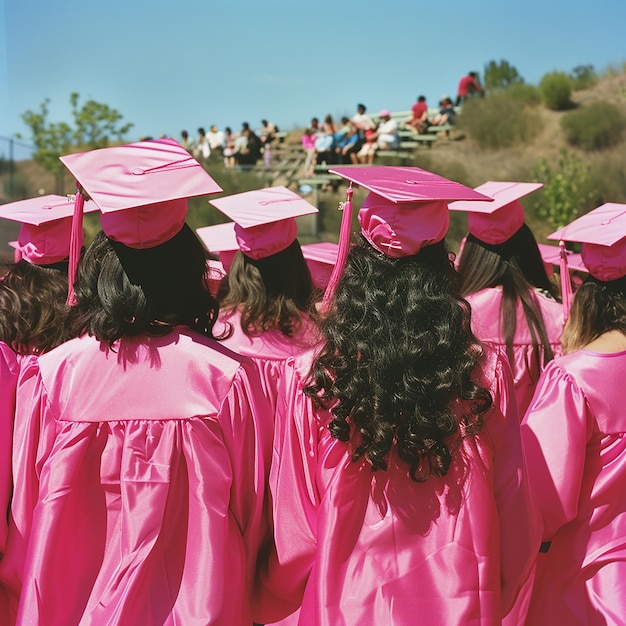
(121, 291)
(270, 293)
(515, 265)
(32, 306)
(397, 365)
(598, 307)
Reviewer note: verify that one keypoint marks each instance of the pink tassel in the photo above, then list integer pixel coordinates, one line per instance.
(342, 252)
(566, 284)
(76, 245)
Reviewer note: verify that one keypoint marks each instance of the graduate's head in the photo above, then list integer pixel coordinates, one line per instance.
(146, 271)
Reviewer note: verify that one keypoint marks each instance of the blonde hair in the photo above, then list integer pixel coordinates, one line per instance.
(598, 307)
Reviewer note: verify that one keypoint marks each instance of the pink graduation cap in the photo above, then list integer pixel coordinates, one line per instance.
(264, 219)
(602, 233)
(321, 257)
(220, 239)
(551, 256)
(406, 210)
(496, 222)
(141, 190)
(44, 237)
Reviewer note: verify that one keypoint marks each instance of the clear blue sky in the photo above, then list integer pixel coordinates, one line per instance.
(173, 64)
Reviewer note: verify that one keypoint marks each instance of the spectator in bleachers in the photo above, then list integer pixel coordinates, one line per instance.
(469, 86)
(368, 148)
(325, 142)
(362, 121)
(267, 134)
(186, 142)
(419, 116)
(215, 138)
(247, 147)
(446, 115)
(202, 149)
(308, 143)
(387, 132)
(347, 147)
(228, 150)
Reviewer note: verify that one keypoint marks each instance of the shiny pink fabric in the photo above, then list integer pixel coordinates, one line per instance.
(574, 436)
(142, 484)
(527, 361)
(354, 546)
(9, 370)
(269, 350)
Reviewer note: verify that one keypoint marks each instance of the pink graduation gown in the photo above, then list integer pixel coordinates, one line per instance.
(354, 546)
(574, 434)
(269, 349)
(9, 370)
(527, 361)
(150, 471)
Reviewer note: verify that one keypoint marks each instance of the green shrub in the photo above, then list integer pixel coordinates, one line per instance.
(556, 91)
(608, 176)
(567, 192)
(594, 127)
(499, 120)
(528, 94)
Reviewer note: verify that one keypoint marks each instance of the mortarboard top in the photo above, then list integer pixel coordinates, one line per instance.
(141, 189)
(602, 233)
(264, 219)
(551, 255)
(320, 257)
(220, 239)
(496, 222)
(44, 237)
(407, 206)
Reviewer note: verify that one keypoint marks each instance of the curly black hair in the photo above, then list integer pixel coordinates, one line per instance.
(122, 291)
(398, 361)
(32, 306)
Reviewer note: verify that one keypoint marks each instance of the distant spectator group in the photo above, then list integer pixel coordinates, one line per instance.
(355, 140)
(242, 149)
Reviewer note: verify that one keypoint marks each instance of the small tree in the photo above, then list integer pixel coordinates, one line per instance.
(94, 125)
(584, 77)
(51, 141)
(500, 75)
(566, 191)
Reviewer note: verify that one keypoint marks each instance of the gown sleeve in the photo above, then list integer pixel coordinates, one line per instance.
(283, 573)
(30, 446)
(8, 383)
(555, 432)
(520, 526)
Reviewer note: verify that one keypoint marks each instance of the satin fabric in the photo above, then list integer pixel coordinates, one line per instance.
(574, 435)
(354, 546)
(9, 370)
(143, 478)
(10, 366)
(527, 362)
(270, 351)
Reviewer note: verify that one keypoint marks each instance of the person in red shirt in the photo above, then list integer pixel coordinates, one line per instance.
(419, 116)
(469, 85)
